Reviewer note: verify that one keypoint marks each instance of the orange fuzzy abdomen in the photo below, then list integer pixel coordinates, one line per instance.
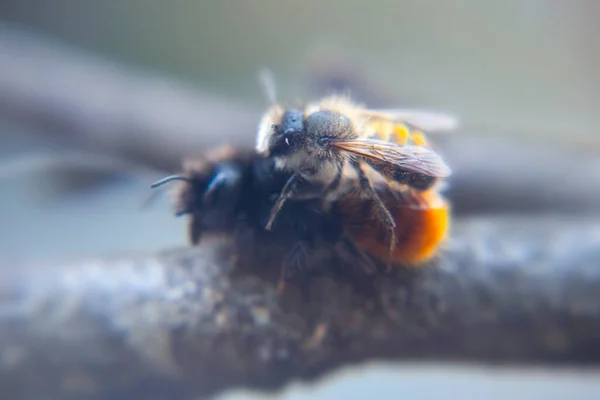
(420, 230)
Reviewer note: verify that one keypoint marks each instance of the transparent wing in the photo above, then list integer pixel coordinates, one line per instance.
(411, 158)
(422, 119)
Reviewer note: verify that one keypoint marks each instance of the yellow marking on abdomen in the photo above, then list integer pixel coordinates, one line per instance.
(418, 138)
(397, 133)
(382, 129)
(400, 133)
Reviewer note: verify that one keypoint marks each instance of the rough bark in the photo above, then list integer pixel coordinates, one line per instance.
(194, 322)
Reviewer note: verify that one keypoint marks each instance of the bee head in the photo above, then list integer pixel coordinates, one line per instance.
(310, 136)
(326, 125)
(289, 135)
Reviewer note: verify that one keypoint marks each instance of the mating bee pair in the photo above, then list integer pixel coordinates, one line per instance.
(330, 171)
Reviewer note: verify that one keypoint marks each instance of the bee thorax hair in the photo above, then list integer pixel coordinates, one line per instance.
(313, 169)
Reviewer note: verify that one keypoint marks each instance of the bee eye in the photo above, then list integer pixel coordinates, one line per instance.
(324, 140)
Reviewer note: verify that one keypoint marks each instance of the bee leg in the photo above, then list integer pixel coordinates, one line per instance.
(295, 261)
(288, 190)
(351, 253)
(384, 214)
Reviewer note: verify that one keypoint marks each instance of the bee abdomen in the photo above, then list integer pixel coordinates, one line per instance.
(398, 133)
(414, 180)
(402, 176)
(420, 231)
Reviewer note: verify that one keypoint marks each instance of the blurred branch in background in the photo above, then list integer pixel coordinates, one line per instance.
(184, 324)
(97, 107)
(88, 103)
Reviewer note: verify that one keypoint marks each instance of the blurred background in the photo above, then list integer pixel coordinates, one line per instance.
(99, 99)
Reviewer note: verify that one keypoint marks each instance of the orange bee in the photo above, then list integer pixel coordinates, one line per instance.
(345, 148)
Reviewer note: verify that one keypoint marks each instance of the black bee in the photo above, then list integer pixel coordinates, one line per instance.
(232, 191)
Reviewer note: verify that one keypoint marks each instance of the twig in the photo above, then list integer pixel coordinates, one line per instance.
(92, 104)
(186, 323)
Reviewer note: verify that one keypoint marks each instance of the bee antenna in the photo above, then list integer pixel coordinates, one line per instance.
(267, 83)
(170, 179)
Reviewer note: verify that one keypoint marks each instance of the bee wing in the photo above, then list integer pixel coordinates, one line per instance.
(422, 119)
(411, 158)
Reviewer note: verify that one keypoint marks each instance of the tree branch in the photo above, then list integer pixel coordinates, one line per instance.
(90, 103)
(187, 323)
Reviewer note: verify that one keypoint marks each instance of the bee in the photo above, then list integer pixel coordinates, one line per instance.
(231, 191)
(322, 143)
(208, 191)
